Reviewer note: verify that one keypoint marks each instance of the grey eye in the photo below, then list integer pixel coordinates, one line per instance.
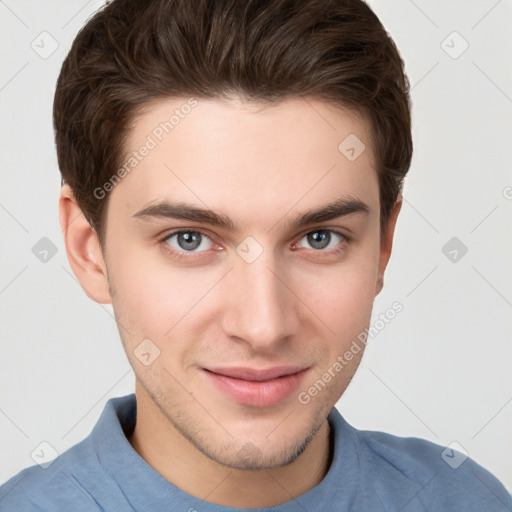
(322, 239)
(189, 241)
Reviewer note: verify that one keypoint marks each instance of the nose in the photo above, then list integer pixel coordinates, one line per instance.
(260, 306)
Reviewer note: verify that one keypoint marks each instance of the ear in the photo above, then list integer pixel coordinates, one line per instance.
(83, 248)
(386, 243)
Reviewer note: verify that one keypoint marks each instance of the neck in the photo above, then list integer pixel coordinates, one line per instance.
(169, 453)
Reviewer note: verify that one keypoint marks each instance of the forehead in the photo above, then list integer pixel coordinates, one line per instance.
(253, 158)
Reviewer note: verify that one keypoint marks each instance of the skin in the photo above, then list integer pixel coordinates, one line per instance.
(296, 304)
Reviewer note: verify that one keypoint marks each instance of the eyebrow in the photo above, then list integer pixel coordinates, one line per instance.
(179, 210)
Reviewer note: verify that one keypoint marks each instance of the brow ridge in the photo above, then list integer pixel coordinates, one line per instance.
(341, 207)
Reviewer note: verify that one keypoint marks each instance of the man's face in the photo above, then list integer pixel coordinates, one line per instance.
(228, 309)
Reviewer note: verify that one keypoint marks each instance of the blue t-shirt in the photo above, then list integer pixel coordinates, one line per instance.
(370, 472)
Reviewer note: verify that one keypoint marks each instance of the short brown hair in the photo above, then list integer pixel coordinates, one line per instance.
(132, 52)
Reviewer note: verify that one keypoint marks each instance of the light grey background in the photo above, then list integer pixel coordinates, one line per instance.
(440, 370)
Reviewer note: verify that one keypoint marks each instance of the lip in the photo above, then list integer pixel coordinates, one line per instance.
(256, 387)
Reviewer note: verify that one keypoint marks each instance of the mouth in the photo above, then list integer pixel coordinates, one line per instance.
(256, 387)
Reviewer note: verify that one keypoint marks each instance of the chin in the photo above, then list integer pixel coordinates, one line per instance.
(250, 457)
(252, 443)
(264, 452)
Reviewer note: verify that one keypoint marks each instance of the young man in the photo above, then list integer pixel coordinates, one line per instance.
(232, 176)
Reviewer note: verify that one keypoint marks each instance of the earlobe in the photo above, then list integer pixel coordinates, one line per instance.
(387, 244)
(83, 249)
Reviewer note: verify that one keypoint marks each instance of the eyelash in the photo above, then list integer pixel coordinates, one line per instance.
(188, 255)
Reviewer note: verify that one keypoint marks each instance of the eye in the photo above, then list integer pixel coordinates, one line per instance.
(188, 241)
(322, 239)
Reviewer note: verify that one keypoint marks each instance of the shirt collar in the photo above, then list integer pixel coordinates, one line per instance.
(146, 489)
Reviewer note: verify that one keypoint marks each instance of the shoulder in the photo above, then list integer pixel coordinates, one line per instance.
(32, 487)
(57, 486)
(82, 478)
(437, 475)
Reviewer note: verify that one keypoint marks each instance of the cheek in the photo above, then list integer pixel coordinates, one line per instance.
(140, 292)
(342, 296)
(155, 300)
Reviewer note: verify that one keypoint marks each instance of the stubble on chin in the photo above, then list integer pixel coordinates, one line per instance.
(207, 435)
